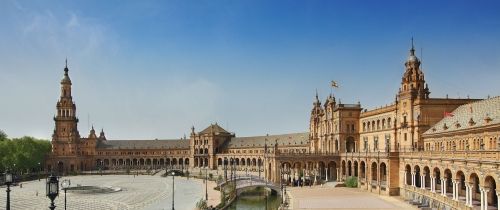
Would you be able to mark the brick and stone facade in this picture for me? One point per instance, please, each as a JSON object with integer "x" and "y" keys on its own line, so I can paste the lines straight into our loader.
{"x": 407, "y": 148}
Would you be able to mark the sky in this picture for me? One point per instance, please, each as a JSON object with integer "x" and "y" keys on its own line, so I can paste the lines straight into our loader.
{"x": 152, "y": 69}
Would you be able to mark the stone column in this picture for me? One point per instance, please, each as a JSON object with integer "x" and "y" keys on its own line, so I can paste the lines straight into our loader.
{"x": 422, "y": 179}
{"x": 471, "y": 188}
{"x": 498, "y": 198}
{"x": 443, "y": 187}
{"x": 466, "y": 194}
{"x": 433, "y": 184}
{"x": 405, "y": 179}
{"x": 454, "y": 190}
{"x": 484, "y": 198}
{"x": 326, "y": 173}
{"x": 413, "y": 179}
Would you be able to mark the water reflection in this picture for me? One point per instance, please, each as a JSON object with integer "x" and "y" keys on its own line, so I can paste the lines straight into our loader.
{"x": 256, "y": 200}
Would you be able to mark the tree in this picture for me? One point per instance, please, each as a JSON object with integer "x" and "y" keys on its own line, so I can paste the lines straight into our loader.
{"x": 3, "y": 136}
{"x": 201, "y": 204}
{"x": 25, "y": 152}
{"x": 351, "y": 182}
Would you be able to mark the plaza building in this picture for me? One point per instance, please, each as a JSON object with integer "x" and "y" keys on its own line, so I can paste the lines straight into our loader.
{"x": 437, "y": 152}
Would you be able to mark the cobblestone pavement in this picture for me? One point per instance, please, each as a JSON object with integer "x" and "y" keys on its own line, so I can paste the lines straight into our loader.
{"x": 327, "y": 197}
{"x": 141, "y": 192}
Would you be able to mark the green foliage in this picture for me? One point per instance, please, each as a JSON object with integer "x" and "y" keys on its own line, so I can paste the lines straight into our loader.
{"x": 210, "y": 176}
{"x": 219, "y": 179}
{"x": 201, "y": 204}
{"x": 25, "y": 152}
{"x": 223, "y": 198}
{"x": 351, "y": 182}
{"x": 3, "y": 136}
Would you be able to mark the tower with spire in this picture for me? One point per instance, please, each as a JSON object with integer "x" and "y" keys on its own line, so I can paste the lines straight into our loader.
{"x": 66, "y": 137}
{"x": 413, "y": 82}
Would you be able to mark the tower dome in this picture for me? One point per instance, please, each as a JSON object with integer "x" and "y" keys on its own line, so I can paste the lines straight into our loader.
{"x": 65, "y": 79}
{"x": 412, "y": 58}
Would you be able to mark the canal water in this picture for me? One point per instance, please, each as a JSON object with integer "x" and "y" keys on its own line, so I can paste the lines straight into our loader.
{"x": 256, "y": 200}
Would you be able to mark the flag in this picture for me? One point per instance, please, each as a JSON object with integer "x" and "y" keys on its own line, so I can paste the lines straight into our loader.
{"x": 334, "y": 84}
{"x": 448, "y": 114}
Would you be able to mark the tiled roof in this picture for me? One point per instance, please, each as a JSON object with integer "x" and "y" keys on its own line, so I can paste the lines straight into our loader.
{"x": 213, "y": 128}
{"x": 295, "y": 139}
{"x": 472, "y": 115}
{"x": 144, "y": 144}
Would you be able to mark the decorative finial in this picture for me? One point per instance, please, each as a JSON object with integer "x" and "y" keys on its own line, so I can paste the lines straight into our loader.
{"x": 412, "y": 51}
{"x": 66, "y": 68}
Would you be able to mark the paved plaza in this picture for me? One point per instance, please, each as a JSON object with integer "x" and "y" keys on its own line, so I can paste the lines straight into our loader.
{"x": 142, "y": 192}
{"x": 328, "y": 197}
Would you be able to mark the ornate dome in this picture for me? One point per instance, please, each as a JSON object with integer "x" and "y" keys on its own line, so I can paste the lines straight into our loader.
{"x": 65, "y": 79}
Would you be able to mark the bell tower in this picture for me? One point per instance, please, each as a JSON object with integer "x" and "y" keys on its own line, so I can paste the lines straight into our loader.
{"x": 413, "y": 82}
{"x": 66, "y": 136}
{"x": 412, "y": 93}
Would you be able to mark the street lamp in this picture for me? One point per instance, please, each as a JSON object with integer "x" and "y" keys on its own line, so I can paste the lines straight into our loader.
{"x": 206, "y": 184}
{"x": 52, "y": 189}
{"x": 281, "y": 184}
{"x": 65, "y": 185}
{"x": 225, "y": 170}
{"x": 8, "y": 182}
{"x": 39, "y": 170}
{"x": 173, "y": 193}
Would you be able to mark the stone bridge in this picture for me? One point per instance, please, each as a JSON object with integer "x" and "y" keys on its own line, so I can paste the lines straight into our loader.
{"x": 249, "y": 182}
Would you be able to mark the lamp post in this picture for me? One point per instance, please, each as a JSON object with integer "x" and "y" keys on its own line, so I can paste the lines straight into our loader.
{"x": 52, "y": 190}
{"x": 287, "y": 172}
{"x": 173, "y": 192}
{"x": 225, "y": 170}
{"x": 206, "y": 184}
{"x": 281, "y": 184}
{"x": 65, "y": 185}
{"x": 8, "y": 182}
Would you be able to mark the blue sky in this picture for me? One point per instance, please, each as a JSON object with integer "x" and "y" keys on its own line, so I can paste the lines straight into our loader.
{"x": 151, "y": 69}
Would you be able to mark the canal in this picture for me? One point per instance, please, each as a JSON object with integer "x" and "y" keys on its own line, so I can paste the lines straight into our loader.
{"x": 256, "y": 200}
